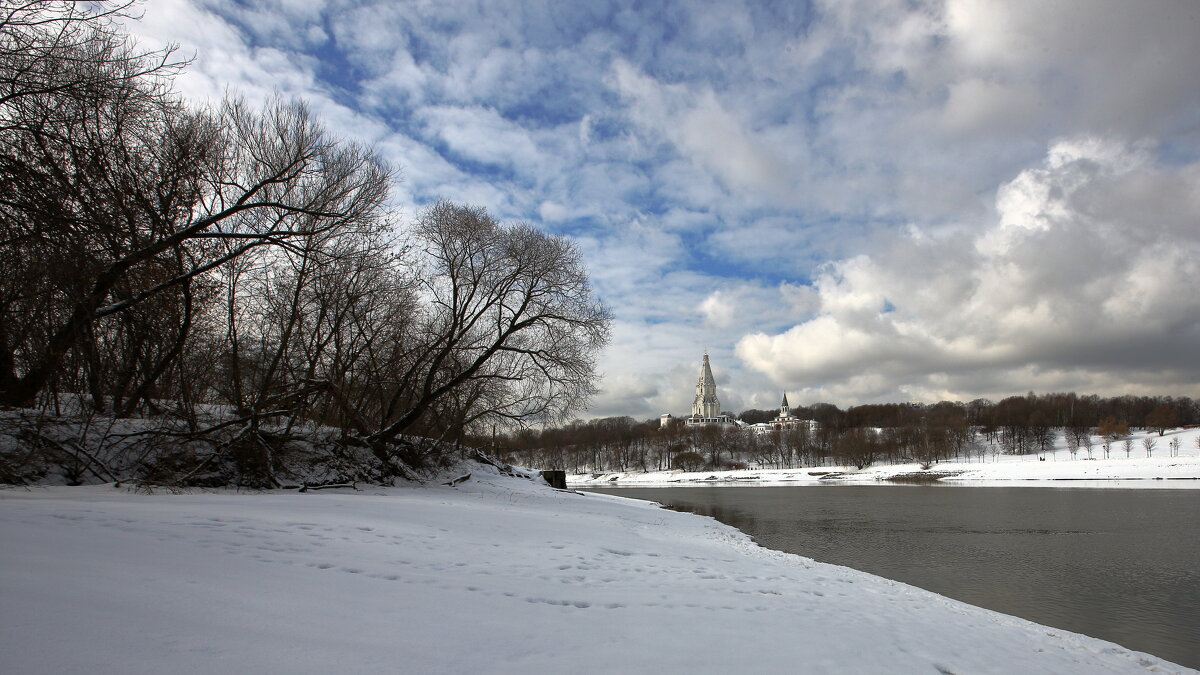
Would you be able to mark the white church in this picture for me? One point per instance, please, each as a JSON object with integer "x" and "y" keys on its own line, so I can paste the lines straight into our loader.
{"x": 706, "y": 408}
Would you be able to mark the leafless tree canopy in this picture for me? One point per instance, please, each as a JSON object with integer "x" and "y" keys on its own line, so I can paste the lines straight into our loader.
{"x": 510, "y": 326}
{"x": 161, "y": 258}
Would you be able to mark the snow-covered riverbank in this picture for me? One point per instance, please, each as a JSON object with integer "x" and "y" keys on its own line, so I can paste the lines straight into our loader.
{"x": 1058, "y": 469}
{"x": 497, "y": 574}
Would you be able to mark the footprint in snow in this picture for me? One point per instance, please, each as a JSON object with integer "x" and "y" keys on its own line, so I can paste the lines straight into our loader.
{"x": 580, "y": 604}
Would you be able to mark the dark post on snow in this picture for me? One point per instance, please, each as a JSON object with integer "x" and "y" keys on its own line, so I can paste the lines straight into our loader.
{"x": 556, "y": 478}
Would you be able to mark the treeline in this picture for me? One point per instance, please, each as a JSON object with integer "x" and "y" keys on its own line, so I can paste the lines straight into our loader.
{"x": 858, "y": 436}
{"x": 237, "y": 275}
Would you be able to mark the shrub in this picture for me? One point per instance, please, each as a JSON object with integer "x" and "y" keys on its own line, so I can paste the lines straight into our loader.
{"x": 688, "y": 461}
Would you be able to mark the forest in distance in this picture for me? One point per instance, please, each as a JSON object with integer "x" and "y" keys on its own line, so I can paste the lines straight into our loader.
{"x": 859, "y": 436}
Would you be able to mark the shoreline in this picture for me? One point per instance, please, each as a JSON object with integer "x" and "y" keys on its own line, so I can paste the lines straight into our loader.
{"x": 1058, "y": 469}
{"x": 1089, "y": 483}
{"x": 397, "y": 578}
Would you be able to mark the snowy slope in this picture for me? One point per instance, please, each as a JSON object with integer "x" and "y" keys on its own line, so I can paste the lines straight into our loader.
{"x": 495, "y": 575}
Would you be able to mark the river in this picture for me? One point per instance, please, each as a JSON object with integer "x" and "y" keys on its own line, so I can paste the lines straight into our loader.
{"x": 1120, "y": 565}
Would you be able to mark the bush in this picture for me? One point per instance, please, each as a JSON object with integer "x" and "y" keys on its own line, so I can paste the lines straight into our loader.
{"x": 1112, "y": 429}
{"x": 688, "y": 461}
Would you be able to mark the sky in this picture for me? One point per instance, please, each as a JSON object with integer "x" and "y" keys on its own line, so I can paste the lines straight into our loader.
{"x": 850, "y": 202}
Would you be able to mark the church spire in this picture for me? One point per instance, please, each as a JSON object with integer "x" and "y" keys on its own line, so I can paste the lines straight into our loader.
{"x": 706, "y": 403}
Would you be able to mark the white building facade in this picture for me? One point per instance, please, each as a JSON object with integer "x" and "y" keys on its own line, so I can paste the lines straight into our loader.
{"x": 785, "y": 421}
{"x": 706, "y": 408}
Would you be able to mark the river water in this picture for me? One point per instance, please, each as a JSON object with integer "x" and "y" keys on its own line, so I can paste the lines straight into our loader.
{"x": 1121, "y": 565}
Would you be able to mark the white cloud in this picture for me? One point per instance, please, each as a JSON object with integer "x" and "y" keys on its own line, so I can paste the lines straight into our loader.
{"x": 482, "y": 135}
{"x": 702, "y": 129}
{"x": 1065, "y": 286}
{"x": 1107, "y": 64}
{"x": 976, "y": 105}
{"x": 717, "y": 309}
{"x": 553, "y": 212}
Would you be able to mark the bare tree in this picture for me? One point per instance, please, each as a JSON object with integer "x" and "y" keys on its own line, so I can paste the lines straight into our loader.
{"x": 714, "y": 443}
{"x": 1149, "y": 444}
{"x": 119, "y": 194}
{"x": 70, "y": 50}
{"x": 509, "y": 327}
{"x": 1085, "y": 441}
{"x": 859, "y": 447}
{"x": 60, "y": 67}
{"x": 687, "y": 460}
{"x": 1163, "y": 417}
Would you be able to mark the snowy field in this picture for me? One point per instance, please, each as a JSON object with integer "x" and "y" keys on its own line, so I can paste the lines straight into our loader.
{"x": 495, "y": 575}
{"x": 1059, "y": 469}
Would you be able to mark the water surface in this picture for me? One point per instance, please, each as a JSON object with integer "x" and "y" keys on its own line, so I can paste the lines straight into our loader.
{"x": 1121, "y": 565}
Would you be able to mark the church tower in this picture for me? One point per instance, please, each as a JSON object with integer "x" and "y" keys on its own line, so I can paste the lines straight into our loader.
{"x": 706, "y": 404}
{"x": 785, "y": 410}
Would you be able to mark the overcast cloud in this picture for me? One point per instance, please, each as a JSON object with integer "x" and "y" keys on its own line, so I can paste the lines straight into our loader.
{"x": 847, "y": 201}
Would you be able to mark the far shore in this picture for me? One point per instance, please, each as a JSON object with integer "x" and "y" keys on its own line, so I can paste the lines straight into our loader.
{"x": 1053, "y": 469}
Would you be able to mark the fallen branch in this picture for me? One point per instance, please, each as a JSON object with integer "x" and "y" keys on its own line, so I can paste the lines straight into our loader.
{"x": 328, "y": 486}
{"x": 111, "y": 477}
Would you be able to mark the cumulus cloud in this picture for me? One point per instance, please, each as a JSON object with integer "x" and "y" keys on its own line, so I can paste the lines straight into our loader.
{"x": 1076, "y": 284}
{"x": 717, "y": 309}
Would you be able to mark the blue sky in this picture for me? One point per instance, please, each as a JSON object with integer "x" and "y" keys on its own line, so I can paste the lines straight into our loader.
{"x": 848, "y": 201}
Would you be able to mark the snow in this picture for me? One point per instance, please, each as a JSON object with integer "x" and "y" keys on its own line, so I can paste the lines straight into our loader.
{"x": 495, "y": 575}
{"x": 1059, "y": 469}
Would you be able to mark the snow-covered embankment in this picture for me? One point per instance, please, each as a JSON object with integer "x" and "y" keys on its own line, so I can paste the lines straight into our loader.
{"x": 496, "y": 574}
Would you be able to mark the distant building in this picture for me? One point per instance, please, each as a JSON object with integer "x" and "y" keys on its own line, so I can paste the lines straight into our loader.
{"x": 785, "y": 421}
{"x": 706, "y": 409}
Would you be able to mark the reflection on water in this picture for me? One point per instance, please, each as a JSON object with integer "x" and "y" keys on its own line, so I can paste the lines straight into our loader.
{"x": 1121, "y": 565}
